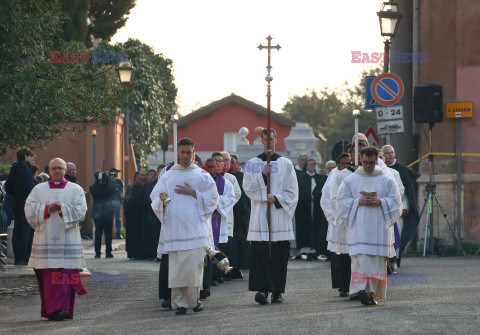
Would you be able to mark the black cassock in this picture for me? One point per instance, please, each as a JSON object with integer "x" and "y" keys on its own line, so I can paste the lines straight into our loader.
{"x": 311, "y": 229}
{"x": 151, "y": 225}
{"x": 134, "y": 221}
{"x": 410, "y": 221}
{"x": 239, "y": 253}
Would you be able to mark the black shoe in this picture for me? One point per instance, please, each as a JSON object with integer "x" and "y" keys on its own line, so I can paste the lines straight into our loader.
{"x": 220, "y": 280}
{"x": 354, "y": 297}
{"x": 180, "y": 311}
{"x": 372, "y": 301}
{"x": 59, "y": 315}
{"x": 204, "y": 294}
{"x": 261, "y": 298}
{"x": 22, "y": 261}
{"x": 343, "y": 292}
{"x": 363, "y": 297}
{"x": 277, "y": 299}
{"x": 226, "y": 277}
{"x": 198, "y": 308}
{"x": 236, "y": 274}
{"x": 166, "y": 303}
{"x": 312, "y": 257}
{"x": 97, "y": 255}
{"x": 108, "y": 255}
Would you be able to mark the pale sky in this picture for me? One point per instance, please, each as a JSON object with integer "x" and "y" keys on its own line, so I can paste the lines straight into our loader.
{"x": 213, "y": 45}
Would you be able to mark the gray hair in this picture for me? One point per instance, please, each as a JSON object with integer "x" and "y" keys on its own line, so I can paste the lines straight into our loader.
{"x": 331, "y": 162}
{"x": 386, "y": 146}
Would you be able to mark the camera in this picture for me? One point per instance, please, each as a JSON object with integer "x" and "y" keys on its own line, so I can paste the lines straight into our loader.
{"x": 102, "y": 177}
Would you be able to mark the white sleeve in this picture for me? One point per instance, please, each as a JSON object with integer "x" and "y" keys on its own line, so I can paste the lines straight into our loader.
{"x": 35, "y": 210}
{"x": 75, "y": 212}
{"x": 227, "y": 199}
{"x": 288, "y": 198}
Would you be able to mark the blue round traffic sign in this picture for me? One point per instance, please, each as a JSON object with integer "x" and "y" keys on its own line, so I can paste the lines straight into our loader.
{"x": 387, "y": 89}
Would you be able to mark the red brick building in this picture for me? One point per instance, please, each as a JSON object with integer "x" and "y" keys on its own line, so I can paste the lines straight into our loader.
{"x": 215, "y": 126}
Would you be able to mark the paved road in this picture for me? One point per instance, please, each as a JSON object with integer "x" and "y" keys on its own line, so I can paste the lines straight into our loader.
{"x": 448, "y": 304}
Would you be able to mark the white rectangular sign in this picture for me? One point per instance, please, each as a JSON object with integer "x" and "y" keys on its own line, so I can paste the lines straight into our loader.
{"x": 390, "y": 127}
{"x": 384, "y": 113}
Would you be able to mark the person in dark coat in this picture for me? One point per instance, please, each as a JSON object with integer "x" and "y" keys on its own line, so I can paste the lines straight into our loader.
{"x": 240, "y": 247}
{"x": 410, "y": 214}
{"x": 19, "y": 184}
{"x": 134, "y": 217}
{"x": 311, "y": 224}
{"x": 103, "y": 194}
{"x": 151, "y": 224}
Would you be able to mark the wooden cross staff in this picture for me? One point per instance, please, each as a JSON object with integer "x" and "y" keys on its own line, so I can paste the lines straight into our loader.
{"x": 269, "y": 78}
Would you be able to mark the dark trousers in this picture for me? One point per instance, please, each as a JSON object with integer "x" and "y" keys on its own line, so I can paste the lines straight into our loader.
{"x": 207, "y": 274}
{"x": 117, "y": 205}
{"x": 239, "y": 252}
{"x": 103, "y": 225}
{"x": 216, "y": 272}
{"x": 268, "y": 275}
{"x": 163, "y": 291}
{"x": 22, "y": 238}
{"x": 340, "y": 270}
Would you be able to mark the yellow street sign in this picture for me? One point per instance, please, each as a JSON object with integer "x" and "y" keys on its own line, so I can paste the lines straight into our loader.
{"x": 456, "y": 110}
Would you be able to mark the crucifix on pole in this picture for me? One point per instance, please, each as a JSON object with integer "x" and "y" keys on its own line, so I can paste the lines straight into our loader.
{"x": 269, "y": 79}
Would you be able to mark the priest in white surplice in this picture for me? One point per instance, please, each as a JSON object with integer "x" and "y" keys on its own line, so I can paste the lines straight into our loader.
{"x": 369, "y": 217}
{"x": 270, "y": 276}
{"x": 54, "y": 209}
{"x": 185, "y": 225}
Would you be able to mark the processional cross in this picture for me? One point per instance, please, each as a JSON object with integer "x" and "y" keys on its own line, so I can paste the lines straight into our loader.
{"x": 269, "y": 79}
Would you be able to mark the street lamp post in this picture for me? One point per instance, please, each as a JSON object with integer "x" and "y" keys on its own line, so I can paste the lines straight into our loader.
{"x": 94, "y": 135}
{"x": 389, "y": 18}
{"x": 125, "y": 73}
{"x": 356, "y": 115}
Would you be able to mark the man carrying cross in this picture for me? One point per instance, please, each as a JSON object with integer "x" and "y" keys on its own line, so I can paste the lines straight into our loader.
{"x": 270, "y": 250}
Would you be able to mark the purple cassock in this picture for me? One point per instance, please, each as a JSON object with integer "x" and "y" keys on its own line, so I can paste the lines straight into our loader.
{"x": 397, "y": 242}
{"x": 216, "y": 216}
{"x": 57, "y": 289}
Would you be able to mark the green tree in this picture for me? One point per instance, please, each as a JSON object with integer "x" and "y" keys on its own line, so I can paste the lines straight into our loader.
{"x": 152, "y": 96}
{"x": 108, "y": 16}
{"x": 330, "y": 111}
{"x": 74, "y": 27}
{"x": 39, "y": 98}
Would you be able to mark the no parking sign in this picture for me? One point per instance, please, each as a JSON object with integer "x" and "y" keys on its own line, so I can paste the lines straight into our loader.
{"x": 387, "y": 89}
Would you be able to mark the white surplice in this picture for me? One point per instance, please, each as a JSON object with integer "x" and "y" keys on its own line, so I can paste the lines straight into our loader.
{"x": 186, "y": 229}
{"x": 238, "y": 193}
{"x": 396, "y": 176}
{"x": 338, "y": 239}
{"x": 369, "y": 236}
{"x": 185, "y": 223}
{"x": 224, "y": 207}
{"x": 57, "y": 242}
{"x": 283, "y": 185}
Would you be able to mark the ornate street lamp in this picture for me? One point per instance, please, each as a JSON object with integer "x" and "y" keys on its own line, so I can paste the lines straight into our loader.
{"x": 389, "y": 18}
{"x": 125, "y": 73}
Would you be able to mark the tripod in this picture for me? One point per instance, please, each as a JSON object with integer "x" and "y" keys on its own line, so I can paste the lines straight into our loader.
{"x": 430, "y": 190}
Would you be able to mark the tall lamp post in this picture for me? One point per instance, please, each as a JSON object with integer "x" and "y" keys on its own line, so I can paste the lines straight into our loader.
{"x": 389, "y": 18}
{"x": 125, "y": 73}
{"x": 356, "y": 115}
{"x": 94, "y": 136}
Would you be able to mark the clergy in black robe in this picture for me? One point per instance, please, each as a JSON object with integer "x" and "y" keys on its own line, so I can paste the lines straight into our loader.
{"x": 239, "y": 246}
{"x": 408, "y": 177}
{"x": 311, "y": 224}
{"x": 268, "y": 268}
{"x": 150, "y": 224}
{"x": 134, "y": 218}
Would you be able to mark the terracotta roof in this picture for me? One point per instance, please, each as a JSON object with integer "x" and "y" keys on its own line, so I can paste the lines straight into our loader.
{"x": 234, "y": 99}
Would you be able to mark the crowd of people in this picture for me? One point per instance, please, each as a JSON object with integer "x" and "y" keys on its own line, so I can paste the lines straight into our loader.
{"x": 205, "y": 221}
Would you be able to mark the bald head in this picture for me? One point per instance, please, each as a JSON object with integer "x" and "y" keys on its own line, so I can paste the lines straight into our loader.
{"x": 57, "y": 168}
{"x": 226, "y": 161}
{"x": 361, "y": 136}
